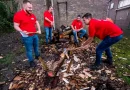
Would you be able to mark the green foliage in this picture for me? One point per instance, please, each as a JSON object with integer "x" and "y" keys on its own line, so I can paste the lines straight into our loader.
{"x": 7, "y": 60}
{"x": 7, "y": 10}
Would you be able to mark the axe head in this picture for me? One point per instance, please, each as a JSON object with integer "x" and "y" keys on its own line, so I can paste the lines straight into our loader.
{"x": 65, "y": 51}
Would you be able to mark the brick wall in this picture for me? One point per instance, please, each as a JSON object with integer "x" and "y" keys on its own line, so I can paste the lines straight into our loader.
{"x": 74, "y": 7}
{"x": 66, "y": 13}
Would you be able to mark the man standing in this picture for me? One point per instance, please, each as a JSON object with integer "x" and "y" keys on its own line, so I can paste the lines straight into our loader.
{"x": 108, "y": 32}
{"x": 48, "y": 24}
{"x": 77, "y": 27}
{"x": 24, "y": 22}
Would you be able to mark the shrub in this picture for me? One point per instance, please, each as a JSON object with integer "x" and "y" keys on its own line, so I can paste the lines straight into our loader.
{"x": 6, "y": 15}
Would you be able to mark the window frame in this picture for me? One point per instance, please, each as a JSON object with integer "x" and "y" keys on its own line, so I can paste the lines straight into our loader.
{"x": 123, "y": 3}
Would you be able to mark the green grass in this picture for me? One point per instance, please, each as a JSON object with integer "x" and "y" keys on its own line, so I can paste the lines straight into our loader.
{"x": 20, "y": 51}
{"x": 7, "y": 60}
{"x": 9, "y": 57}
{"x": 121, "y": 55}
{"x": 41, "y": 39}
{"x": 127, "y": 79}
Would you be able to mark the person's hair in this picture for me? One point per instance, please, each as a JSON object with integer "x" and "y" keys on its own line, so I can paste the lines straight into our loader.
{"x": 50, "y": 7}
{"x": 79, "y": 16}
{"x": 87, "y": 15}
{"x": 26, "y": 1}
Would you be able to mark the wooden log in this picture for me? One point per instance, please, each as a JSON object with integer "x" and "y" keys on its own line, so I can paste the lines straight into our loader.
{"x": 68, "y": 68}
{"x": 67, "y": 32}
{"x": 48, "y": 72}
{"x": 60, "y": 63}
{"x": 52, "y": 81}
{"x": 43, "y": 63}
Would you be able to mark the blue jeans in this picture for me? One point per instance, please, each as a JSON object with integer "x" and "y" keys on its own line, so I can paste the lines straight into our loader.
{"x": 105, "y": 46}
{"x": 48, "y": 32}
{"x": 31, "y": 42}
{"x": 82, "y": 33}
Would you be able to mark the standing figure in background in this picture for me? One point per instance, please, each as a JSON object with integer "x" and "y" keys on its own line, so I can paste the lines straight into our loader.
{"x": 48, "y": 24}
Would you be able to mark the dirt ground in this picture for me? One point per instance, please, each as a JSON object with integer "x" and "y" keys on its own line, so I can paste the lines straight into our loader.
{"x": 11, "y": 49}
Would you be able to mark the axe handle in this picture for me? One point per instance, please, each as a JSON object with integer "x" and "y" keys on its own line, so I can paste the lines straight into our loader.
{"x": 32, "y": 32}
{"x": 69, "y": 49}
{"x": 67, "y": 56}
{"x": 43, "y": 63}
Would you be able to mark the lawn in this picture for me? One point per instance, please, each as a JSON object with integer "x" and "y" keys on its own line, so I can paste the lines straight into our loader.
{"x": 121, "y": 54}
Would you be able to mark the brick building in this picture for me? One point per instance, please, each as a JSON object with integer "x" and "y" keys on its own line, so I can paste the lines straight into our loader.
{"x": 66, "y": 10}
{"x": 119, "y": 11}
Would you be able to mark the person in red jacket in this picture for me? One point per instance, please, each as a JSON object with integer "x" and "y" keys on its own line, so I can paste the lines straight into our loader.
{"x": 106, "y": 31}
{"x": 25, "y": 22}
{"x": 48, "y": 24}
{"x": 77, "y": 26}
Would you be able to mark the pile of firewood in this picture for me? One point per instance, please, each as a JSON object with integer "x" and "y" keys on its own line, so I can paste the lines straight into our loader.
{"x": 71, "y": 72}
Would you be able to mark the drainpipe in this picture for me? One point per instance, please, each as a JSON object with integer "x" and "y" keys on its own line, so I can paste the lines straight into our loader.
{"x": 108, "y": 7}
{"x": 52, "y": 3}
{"x": 128, "y": 19}
{"x": 116, "y": 12}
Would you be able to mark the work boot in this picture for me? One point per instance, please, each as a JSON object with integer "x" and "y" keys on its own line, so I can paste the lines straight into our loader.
{"x": 95, "y": 67}
{"x": 37, "y": 57}
{"x": 80, "y": 39}
{"x": 86, "y": 36}
{"x": 32, "y": 64}
{"x": 108, "y": 61}
{"x": 51, "y": 42}
{"x": 77, "y": 44}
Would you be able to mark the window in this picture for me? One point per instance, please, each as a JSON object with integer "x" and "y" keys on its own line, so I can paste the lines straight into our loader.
{"x": 123, "y": 3}
{"x": 112, "y": 6}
